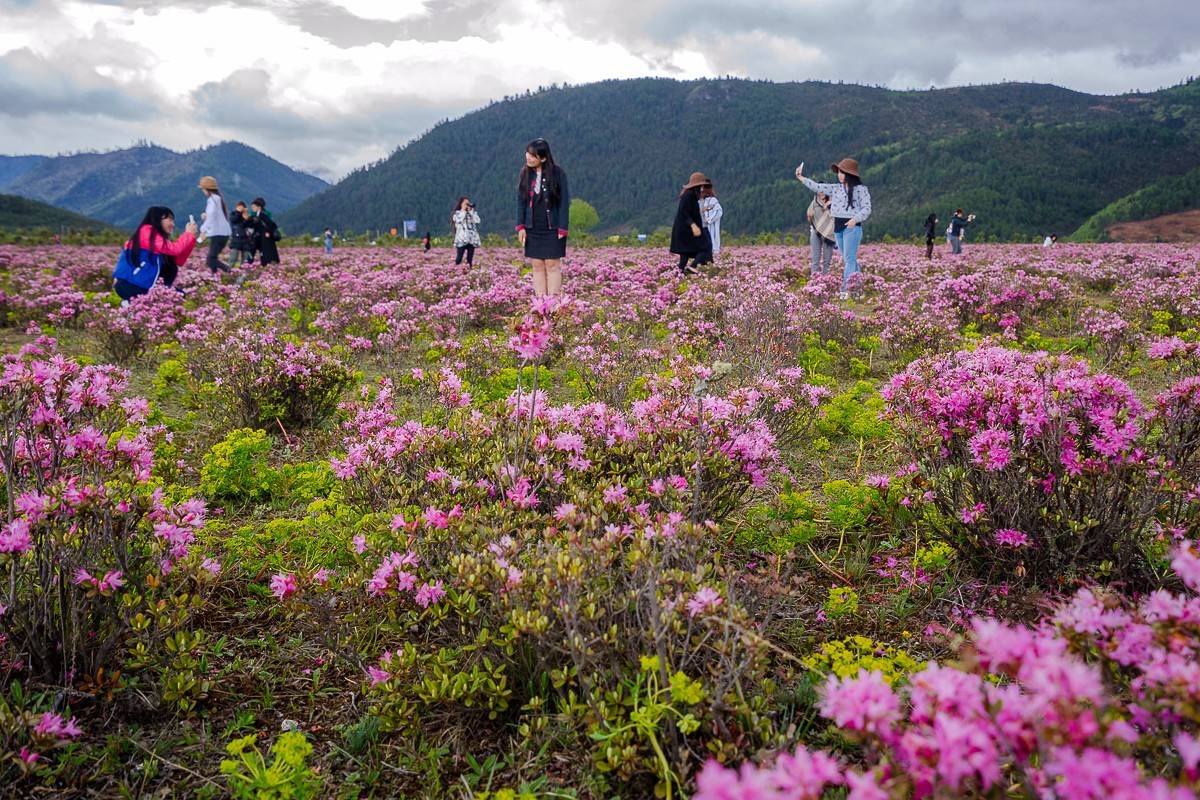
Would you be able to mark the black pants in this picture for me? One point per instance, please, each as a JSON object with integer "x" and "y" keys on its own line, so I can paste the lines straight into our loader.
{"x": 215, "y": 245}
{"x": 468, "y": 250}
{"x": 929, "y": 248}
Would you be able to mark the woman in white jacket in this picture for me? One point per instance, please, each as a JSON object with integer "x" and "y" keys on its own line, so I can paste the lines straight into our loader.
{"x": 711, "y": 213}
{"x": 214, "y": 224}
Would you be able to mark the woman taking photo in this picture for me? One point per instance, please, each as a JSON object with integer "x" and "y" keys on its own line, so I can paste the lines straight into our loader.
{"x": 466, "y": 230}
{"x": 214, "y": 223}
{"x": 543, "y": 209}
{"x": 850, "y": 204}
{"x": 689, "y": 241}
{"x": 150, "y": 255}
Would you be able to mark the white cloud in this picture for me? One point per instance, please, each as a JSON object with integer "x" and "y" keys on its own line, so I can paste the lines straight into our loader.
{"x": 329, "y": 84}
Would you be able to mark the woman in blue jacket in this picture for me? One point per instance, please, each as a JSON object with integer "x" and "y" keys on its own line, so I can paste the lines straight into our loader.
{"x": 543, "y": 212}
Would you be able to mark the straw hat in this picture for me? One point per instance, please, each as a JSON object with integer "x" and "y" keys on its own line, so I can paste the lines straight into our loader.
{"x": 210, "y": 183}
{"x": 697, "y": 179}
{"x": 848, "y": 166}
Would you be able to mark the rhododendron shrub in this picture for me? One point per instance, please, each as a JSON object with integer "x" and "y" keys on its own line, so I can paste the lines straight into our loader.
{"x": 1100, "y": 700}
{"x": 126, "y": 331}
{"x": 265, "y": 381}
{"x": 84, "y": 535}
{"x": 1039, "y": 466}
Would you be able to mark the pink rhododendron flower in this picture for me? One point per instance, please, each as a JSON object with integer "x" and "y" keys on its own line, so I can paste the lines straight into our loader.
{"x": 704, "y": 601}
{"x": 283, "y": 585}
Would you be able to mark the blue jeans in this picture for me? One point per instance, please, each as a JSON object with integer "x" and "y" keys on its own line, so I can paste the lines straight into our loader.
{"x": 955, "y": 243}
{"x": 847, "y": 242}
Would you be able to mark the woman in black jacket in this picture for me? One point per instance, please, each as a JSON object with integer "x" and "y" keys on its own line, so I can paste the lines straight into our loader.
{"x": 543, "y": 214}
{"x": 241, "y": 239}
{"x": 930, "y": 234}
{"x": 268, "y": 232}
{"x": 688, "y": 238}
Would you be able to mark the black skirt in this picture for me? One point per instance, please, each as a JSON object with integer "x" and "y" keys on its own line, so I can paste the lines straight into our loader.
{"x": 544, "y": 244}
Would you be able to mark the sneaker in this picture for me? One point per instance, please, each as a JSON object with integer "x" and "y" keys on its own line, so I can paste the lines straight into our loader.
{"x": 690, "y": 271}
{"x": 843, "y": 295}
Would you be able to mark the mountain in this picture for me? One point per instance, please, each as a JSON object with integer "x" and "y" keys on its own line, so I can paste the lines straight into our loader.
{"x": 118, "y": 186}
{"x": 1027, "y": 158}
{"x": 23, "y": 213}
{"x": 13, "y": 167}
{"x": 1164, "y": 196}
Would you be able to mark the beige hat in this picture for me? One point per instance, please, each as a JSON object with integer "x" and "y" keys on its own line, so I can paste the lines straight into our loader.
{"x": 697, "y": 179}
{"x": 210, "y": 183}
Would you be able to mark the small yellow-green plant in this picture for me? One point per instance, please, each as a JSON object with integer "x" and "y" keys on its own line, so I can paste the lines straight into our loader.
{"x": 237, "y": 469}
{"x": 845, "y": 657}
{"x": 842, "y": 602}
{"x": 287, "y": 777}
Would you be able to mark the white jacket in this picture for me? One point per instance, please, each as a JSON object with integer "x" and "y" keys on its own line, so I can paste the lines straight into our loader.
{"x": 216, "y": 220}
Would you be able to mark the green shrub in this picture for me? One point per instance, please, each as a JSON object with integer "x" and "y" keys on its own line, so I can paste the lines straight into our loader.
{"x": 236, "y": 468}
{"x": 845, "y": 657}
{"x": 842, "y": 602}
{"x": 288, "y": 777}
{"x": 855, "y": 412}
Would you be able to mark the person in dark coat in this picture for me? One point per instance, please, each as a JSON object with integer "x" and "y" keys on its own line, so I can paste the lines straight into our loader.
{"x": 268, "y": 231}
{"x": 688, "y": 239}
{"x": 543, "y": 216}
{"x": 241, "y": 241}
{"x": 930, "y": 234}
{"x": 427, "y": 241}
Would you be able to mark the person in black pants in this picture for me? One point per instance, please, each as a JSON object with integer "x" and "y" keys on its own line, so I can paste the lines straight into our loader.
{"x": 241, "y": 237}
{"x": 930, "y": 234}
{"x": 688, "y": 239}
{"x": 466, "y": 230}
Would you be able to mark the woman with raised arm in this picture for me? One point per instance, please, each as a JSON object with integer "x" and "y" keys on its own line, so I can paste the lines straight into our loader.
{"x": 850, "y": 204}
{"x": 543, "y": 212}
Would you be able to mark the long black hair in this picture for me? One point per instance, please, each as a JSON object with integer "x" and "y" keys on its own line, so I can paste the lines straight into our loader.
{"x": 153, "y": 217}
{"x": 458, "y": 206}
{"x": 851, "y": 182}
{"x": 540, "y": 148}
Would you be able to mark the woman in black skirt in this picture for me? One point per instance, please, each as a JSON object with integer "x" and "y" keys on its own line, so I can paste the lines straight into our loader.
{"x": 689, "y": 240}
{"x": 543, "y": 209}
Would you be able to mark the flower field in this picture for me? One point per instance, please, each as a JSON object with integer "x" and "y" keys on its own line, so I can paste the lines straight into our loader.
{"x": 372, "y": 525}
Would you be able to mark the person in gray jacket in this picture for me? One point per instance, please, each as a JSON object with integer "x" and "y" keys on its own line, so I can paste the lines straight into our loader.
{"x": 820, "y": 233}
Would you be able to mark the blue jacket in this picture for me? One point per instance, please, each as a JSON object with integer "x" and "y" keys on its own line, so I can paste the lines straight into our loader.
{"x": 559, "y": 215}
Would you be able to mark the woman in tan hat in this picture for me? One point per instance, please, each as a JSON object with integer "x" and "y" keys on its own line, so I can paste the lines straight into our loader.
{"x": 214, "y": 223}
{"x": 850, "y": 204}
{"x": 688, "y": 239}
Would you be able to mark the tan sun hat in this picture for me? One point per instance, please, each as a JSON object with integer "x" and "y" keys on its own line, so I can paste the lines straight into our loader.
{"x": 848, "y": 166}
{"x": 210, "y": 183}
{"x": 697, "y": 179}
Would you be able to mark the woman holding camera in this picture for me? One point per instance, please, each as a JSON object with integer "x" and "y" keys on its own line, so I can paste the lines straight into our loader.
{"x": 850, "y": 206}
{"x": 466, "y": 230}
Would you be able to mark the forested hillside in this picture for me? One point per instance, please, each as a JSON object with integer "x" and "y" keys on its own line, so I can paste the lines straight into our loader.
{"x": 1026, "y": 158}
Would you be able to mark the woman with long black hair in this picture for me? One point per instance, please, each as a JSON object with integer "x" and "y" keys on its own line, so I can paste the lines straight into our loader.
{"x": 150, "y": 248}
{"x": 268, "y": 232}
{"x": 466, "y": 230}
{"x": 543, "y": 214}
{"x": 850, "y": 204}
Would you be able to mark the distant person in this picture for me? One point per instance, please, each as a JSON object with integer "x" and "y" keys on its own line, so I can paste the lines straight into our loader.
{"x": 820, "y": 233}
{"x": 241, "y": 238}
{"x": 328, "y": 240}
{"x": 466, "y": 230}
{"x": 958, "y": 230}
{"x": 711, "y": 212}
{"x": 688, "y": 238}
{"x": 150, "y": 255}
{"x": 426, "y": 241}
{"x": 930, "y": 234}
{"x": 214, "y": 224}
{"x": 1050, "y": 240}
{"x": 543, "y": 216}
{"x": 268, "y": 232}
{"x": 850, "y": 204}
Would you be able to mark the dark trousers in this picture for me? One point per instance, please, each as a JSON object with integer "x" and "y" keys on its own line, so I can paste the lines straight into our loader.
{"x": 468, "y": 250}
{"x": 215, "y": 245}
{"x": 929, "y": 248}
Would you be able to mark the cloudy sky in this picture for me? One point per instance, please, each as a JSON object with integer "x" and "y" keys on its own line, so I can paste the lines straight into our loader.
{"x": 328, "y": 85}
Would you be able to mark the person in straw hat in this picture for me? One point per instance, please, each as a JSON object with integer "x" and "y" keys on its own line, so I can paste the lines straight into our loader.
{"x": 214, "y": 223}
{"x": 851, "y": 206}
{"x": 688, "y": 238}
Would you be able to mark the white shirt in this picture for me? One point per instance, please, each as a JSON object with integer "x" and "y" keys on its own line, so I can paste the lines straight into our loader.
{"x": 215, "y": 223}
{"x": 839, "y": 208}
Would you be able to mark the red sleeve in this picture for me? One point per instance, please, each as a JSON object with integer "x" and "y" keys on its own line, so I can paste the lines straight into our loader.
{"x": 179, "y": 249}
